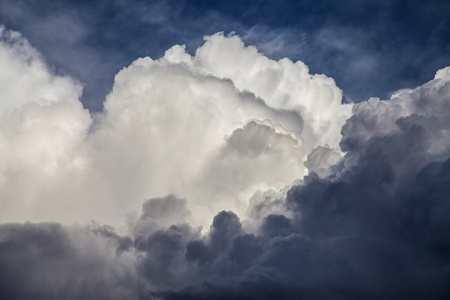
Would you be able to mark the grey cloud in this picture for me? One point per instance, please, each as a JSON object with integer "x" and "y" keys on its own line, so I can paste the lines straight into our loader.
{"x": 224, "y": 229}
{"x": 401, "y": 251}
{"x": 162, "y": 212}
{"x": 123, "y": 243}
{"x": 49, "y": 261}
{"x": 166, "y": 207}
{"x": 263, "y": 204}
{"x": 276, "y": 225}
{"x": 256, "y": 139}
{"x": 198, "y": 251}
{"x": 321, "y": 159}
{"x": 245, "y": 248}
{"x": 376, "y": 228}
{"x": 161, "y": 256}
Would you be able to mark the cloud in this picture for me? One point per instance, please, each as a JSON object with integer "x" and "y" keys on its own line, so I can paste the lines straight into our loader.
{"x": 162, "y": 212}
{"x": 222, "y": 139}
{"x": 374, "y": 228}
{"x": 281, "y": 84}
{"x": 49, "y": 261}
{"x": 42, "y": 132}
{"x": 321, "y": 158}
{"x": 183, "y": 125}
{"x": 19, "y": 58}
{"x": 405, "y": 41}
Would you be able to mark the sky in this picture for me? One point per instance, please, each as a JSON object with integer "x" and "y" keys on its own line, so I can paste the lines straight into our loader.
{"x": 224, "y": 149}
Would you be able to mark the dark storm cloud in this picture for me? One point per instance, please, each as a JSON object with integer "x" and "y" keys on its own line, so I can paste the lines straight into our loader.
{"x": 162, "y": 257}
{"x": 122, "y": 243}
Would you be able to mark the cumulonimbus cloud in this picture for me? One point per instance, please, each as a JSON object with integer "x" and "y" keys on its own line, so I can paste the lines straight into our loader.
{"x": 223, "y": 138}
{"x": 182, "y": 124}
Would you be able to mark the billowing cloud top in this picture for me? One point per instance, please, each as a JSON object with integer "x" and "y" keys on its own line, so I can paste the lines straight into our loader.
{"x": 228, "y": 139}
{"x": 202, "y": 129}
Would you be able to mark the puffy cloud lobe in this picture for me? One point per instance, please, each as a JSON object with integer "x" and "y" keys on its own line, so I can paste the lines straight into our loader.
{"x": 321, "y": 158}
{"x": 240, "y": 165}
{"x": 282, "y": 84}
{"x": 224, "y": 229}
{"x": 162, "y": 261}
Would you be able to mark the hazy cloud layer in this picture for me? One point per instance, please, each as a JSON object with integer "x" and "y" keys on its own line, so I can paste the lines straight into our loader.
{"x": 221, "y": 143}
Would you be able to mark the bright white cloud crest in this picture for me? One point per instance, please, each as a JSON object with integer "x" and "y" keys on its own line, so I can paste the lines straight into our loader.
{"x": 213, "y": 128}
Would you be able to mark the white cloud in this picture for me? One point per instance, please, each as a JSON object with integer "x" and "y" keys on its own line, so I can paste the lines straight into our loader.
{"x": 213, "y": 128}
{"x": 282, "y": 84}
{"x": 25, "y": 77}
{"x": 42, "y": 131}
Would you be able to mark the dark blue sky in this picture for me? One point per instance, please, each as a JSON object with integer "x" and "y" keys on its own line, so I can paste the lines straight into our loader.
{"x": 370, "y": 48}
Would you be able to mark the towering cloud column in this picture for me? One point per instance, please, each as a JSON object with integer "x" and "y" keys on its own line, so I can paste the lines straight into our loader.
{"x": 213, "y": 128}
